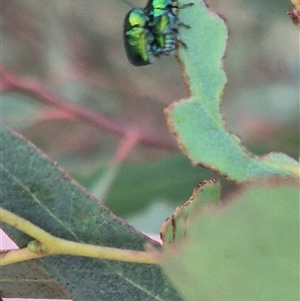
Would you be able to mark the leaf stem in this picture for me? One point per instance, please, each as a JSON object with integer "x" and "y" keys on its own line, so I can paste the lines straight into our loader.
{"x": 52, "y": 245}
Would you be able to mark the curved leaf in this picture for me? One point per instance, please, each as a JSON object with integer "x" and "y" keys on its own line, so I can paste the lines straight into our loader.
{"x": 197, "y": 122}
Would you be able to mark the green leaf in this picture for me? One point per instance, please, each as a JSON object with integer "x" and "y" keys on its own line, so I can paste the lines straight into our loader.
{"x": 25, "y": 280}
{"x": 38, "y": 190}
{"x": 174, "y": 228}
{"x": 197, "y": 122}
{"x": 246, "y": 250}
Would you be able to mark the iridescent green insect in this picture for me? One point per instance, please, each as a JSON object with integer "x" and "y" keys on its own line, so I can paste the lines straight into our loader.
{"x": 163, "y": 21}
{"x": 138, "y": 39}
{"x": 152, "y": 31}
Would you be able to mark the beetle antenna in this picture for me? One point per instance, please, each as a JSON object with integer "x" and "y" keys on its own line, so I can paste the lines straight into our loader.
{"x": 128, "y": 3}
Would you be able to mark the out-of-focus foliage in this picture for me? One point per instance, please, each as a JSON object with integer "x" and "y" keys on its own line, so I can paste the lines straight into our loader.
{"x": 76, "y": 49}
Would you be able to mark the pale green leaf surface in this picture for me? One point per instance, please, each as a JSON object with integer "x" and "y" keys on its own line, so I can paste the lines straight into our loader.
{"x": 248, "y": 250}
{"x": 197, "y": 122}
{"x": 174, "y": 228}
{"x": 37, "y": 189}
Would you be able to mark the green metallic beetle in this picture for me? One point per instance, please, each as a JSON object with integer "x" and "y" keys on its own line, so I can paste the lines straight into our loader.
{"x": 163, "y": 24}
{"x": 151, "y": 32}
{"x": 163, "y": 21}
{"x": 138, "y": 39}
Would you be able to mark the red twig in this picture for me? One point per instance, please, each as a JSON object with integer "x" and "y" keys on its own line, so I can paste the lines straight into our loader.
{"x": 126, "y": 145}
{"x": 39, "y": 91}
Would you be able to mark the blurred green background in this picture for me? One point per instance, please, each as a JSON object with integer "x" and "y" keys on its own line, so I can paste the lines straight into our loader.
{"x": 75, "y": 48}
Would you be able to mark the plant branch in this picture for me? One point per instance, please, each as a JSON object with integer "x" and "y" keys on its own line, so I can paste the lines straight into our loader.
{"x": 38, "y": 91}
{"x": 14, "y": 256}
{"x": 101, "y": 187}
{"x": 47, "y": 244}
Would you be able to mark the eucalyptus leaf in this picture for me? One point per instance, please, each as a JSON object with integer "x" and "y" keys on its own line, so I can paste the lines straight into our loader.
{"x": 197, "y": 122}
{"x": 174, "y": 228}
{"x": 38, "y": 190}
{"x": 245, "y": 250}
